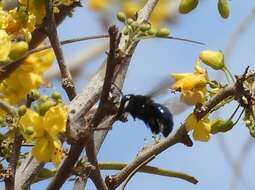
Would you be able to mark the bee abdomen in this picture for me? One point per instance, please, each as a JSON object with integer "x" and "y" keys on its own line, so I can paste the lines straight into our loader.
{"x": 164, "y": 119}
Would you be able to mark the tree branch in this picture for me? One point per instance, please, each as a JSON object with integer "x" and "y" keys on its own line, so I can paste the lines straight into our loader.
{"x": 149, "y": 170}
{"x": 67, "y": 81}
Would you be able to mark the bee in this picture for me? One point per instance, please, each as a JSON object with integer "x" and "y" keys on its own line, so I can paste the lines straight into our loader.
{"x": 156, "y": 116}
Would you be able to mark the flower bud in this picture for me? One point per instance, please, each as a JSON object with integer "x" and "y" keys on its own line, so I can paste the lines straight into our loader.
{"x": 163, "y": 32}
{"x": 35, "y": 94}
{"x": 22, "y": 110}
{"x": 152, "y": 32}
{"x": 223, "y": 8}
{"x": 144, "y": 27}
{"x": 134, "y": 24}
{"x": 29, "y": 130}
{"x": 126, "y": 31}
{"x": 56, "y": 95}
{"x": 121, "y": 16}
{"x": 130, "y": 21}
{"x": 187, "y": 5}
{"x": 214, "y": 59}
{"x": 219, "y": 125}
{"x": 45, "y": 106}
{"x": 18, "y": 49}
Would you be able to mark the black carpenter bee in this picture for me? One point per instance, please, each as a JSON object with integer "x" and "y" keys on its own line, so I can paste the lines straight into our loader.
{"x": 156, "y": 116}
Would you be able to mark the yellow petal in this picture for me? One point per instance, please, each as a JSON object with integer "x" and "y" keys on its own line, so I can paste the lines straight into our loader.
{"x": 202, "y": 131}
{"x": 193, "y": 97}
{"x": 32, "y": 119}
{"x": 55, "y": 120}
{"x": 5, "y": 45}
{"x": 190, "y": 122}
{"x": 58, "y": 154}
{"x": 43, "y": 150}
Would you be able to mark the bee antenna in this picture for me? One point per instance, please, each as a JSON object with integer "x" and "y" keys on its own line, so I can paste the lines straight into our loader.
{"x": 118, "y": 89}
{"x": 186, "y": 40}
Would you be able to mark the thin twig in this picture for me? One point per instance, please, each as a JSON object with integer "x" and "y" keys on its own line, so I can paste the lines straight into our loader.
{"x": 7, "y": 69}
{"x": 95, "y": 174}
{"x": 149, "y": 170}
{"x": 135, "y": 171}
{"x": 77, "y": 61}
{"x": 67, "y": 81}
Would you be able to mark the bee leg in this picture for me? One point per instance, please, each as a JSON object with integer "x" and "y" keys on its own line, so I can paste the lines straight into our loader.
{"x": 156, "y": 138}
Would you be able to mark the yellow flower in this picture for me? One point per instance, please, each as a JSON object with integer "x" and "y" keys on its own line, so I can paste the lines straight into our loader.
{"x": 191, "y": 85}
{"x": 45, "y": 132}
{"x": 201, "y": 129}
{"x": 36, "y": 7}
{"x": 193, "y": 97}
{"x": 98, "y": 5}
{"x": 27, "y": 77}
{"x": 5, "y": 46}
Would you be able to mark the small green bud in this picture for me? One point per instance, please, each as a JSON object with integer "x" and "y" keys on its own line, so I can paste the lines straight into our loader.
{"x": 126, "y": 31}
{"x": 214, "y": 59}
{"x": 121, "y": 16}
{"x": 144, "y": 27}
{"x": 18, "y": 49}
{"x": 134, "y": 24}
{"x": 163, "y": 32}
{"x": 219, "y": 125}
{"x": 43, "y": 99}
{"x": 45, "y": 106}
{"x": 29, "y": 130}
{"x": 35, "y": 94}
{"x": 152, "y": 32}
{"x": 187, "y": 5}
{"x": 223, "y": 8}
{"x": 22, "y": 110}
{"x": 130, "y": 21}
{"x": 56, "y": 95}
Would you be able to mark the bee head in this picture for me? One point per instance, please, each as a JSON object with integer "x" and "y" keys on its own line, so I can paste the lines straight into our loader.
{"x": 124, "y": 103}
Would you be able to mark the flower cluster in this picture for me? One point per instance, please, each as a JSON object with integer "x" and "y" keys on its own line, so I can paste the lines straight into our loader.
{"x": 194, "y": 89}
{"x": 192, "y": 85}
{"x": 27, "y": 77}
{"x": 43, "y": 129}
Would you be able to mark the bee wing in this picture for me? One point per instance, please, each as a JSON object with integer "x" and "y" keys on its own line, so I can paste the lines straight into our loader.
{"x": 175, "y": 106}
{"x": 161, "y": 88}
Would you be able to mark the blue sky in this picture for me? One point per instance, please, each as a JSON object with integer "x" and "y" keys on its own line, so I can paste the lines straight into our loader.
{"x": 154, "y": 60}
